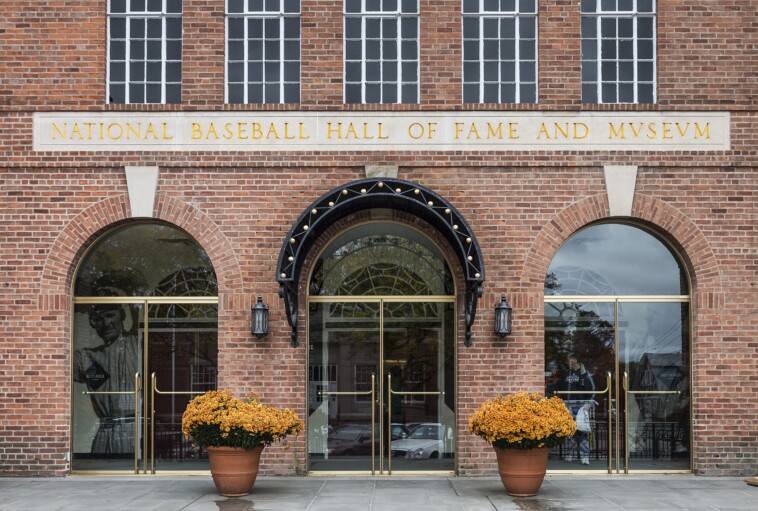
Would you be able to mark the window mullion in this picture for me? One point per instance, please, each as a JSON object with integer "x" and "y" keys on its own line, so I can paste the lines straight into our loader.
{"x": 517, "y": 57}
{"x": 481, "y": 56}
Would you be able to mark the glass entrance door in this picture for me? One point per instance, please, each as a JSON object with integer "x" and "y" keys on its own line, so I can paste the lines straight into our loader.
{"x": 381, "y": 385}
{"x": 626, "y": 362}
{"x": 122, "y": 420}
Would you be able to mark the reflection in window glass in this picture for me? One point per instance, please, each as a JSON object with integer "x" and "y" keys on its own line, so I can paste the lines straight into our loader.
{"x": 500, "y": 51}
{"x": 615, "y": 259}
{"x": 381, "y": 259}
{"x": 618, "y": 51}
{"x": 146, "y": 260}
{"x": 144, "y": 51}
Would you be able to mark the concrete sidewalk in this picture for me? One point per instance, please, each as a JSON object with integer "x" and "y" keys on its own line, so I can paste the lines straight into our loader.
{"x": 197, "y": 493}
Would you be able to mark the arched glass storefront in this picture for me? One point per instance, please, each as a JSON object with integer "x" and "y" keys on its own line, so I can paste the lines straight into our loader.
{"x": 617, "y": 347}
{"x": 381, "y": 354}
{"x": 145, "y": 323}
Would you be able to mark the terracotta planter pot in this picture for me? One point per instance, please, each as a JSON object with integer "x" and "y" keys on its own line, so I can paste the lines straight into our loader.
{"x": 233, "y": 469}
{"x": 522, "y": 470}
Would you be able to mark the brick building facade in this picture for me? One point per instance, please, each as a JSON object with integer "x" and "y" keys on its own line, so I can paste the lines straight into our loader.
{"x": 521, "y": 203}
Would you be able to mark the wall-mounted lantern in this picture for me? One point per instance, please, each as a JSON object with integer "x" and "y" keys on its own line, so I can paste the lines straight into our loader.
{"x": 503, "y": 315}
{"x": 259, "y": 325}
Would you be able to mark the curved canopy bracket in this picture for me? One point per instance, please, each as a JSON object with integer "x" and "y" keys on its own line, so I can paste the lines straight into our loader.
{"x": 373, "y": 193}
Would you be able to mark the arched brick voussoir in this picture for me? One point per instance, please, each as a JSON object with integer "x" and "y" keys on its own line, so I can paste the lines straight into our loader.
{"x": 692, "y": 244}
{"x": 73, "y": 240}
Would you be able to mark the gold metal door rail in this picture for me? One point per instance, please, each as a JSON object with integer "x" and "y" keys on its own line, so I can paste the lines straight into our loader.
{"x": 610, "y": 414}
{"x": 153, "y": 392}
{"x": 627, "y": 392}
{"x": 372, "y": 393}
{"x": 136, "y": 392}
{"x": 391, "y": 393}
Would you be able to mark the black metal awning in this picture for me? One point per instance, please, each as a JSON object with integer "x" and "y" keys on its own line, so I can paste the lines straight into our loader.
{"x": 388, "y": 193}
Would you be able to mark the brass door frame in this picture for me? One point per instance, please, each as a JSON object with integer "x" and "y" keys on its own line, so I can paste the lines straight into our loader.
{"x": 627, "y": 392}
{"x": 616, "y": 301}
{"x": 391, "y": 393}
{"x": 372, "y": 393}
{"x": 154, "y": 390}
{"x": 136, "y": 392}
{"x": 608, "y": 390}
{"x": 146, "y": 302}
{"x": 381, "y": 300}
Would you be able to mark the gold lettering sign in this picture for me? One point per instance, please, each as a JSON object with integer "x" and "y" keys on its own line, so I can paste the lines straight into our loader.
{"x": 381, "y": 131}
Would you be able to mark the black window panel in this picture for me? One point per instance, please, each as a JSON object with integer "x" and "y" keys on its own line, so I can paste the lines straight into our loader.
{"x": 409, "y": 28}
{"x": 174, "y": 7}
{"x": 645, "y": 5}
{"x": 236, "y": 93}
{"x": 645, "y": 93}
{"x": 527, "y": 28}
{"x": 626, "y": 93}
{"x": 352, "y": 28}
{"x": 235, "y": 72}
{"x": 589, "y": 93}
{"x": 137, "y": 71}
{"x": 389, "y": 29}
{"x": 527, "y": 49}
{"x": 490, "y": 28}
{"x": 508, "y": 72}
{"x": 608, "y": 27}
{"x": 608, "y": 5}
{"x": 589, "y": 49}
{"x": 389, "y": 50}
{"x": 292, "y": 6}
{"x": 373, "y": 93}
{"x": 528, "y": 93}
{"x": 173, "y": 71}
{"x": 470, "y": 6}
{"x": 626, "y": 27}
{"x": 645, "y": 70}
{"x": 508, "y": 93}
{"x": 173, "y": 28}
{"x": 352, "y": 93}
{"x": 470, "y": 28}
{"x": 272, "y": 28}
{"x": 352, "y": 5}
{"x": 589, "y": 27}
{"x": 490, "y": 49}
{"x": 136, "y": 93}
{"x": 153, "y": 93}
{"x": 373, "y": 71}
{"x": 255, "y": 93}
{"x": 407, "y": 7}
{"x": 471, "y": 93}
{"x": 292, "y": 72}
{"x": 137, "y": 28}
{"x": 154, "y": 50}
{"x": 373, "y": 28}
{"x": 389, "y": 71}
{"x": 255, "y": 28}
{"x": 470, "y": 50}
{"x": 490, "y": 71}
{"x": 608, "y": 49}
{"x": 271, "y": 71}
{"x": 137, "y": 5}
{"x": 626, "y": 5}
{"x": 410, "y": 71}
{"x": 609, "y": 93}
{"x": 291, "y": 50}
{"x": 273, "y": 93}
{"x": 292, "y": 28}
{"x": 626, "y": 49}
{"x": 589, "y": 5}
{"x": 626, "y": 71}
{"x": 389, "y": 92}
{"x": 491, "y": 91}
{"x": 410, "y": 93}
{"x": 645, "y": 28}
{"x": 118, "y": 28}
{"x": 117, "y": 94}
{"x": 235, "y": 6}
{"x": 291, "y": 93}
{"x": 271, "y": 50}
{"x": 236, "y": 28}
{"x": 373, "y": 49}
{"x": 255, "y": 72}
{"x": 409, "y": 50}
{"x": 118, "y": 71}
{"x": 236, "y": 50}
{"x": 508, "y": 28}
{"x": 254, "y": 51}
{"x": 154, "y": 28}
{"x": 389, "y": 5}
{"x": 118, "y": 50}
{"x": 118, "y": 6}
{"x": 608, "y": 71}
{"x": 589, "y": 71}
{"x": 173, "y": 50}
{"x": 374, "y": 5}
{"x": 508, "y": 49}
{"x": 353, "y": 50}
{"x": 645, "y": 50}
{"x": 154, "y": 71}
{"x": 272, "y": 5}
{"x": 509, "y": 6}
{"x": 471, "y": 72}
{"x": 491, "y": 5}
{"x": 137, "y": 49}
{"x": 528, "y": 72}
{"x": 353, "y": 71}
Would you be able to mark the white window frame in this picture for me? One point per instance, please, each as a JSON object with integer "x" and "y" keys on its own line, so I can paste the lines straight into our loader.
{"x": 599, "y": 15}
{"x": 398, "y": 15}
{"x": 264, "y": 16}
{"x": 498, "y": 15}
{"x": 130, "y": 15}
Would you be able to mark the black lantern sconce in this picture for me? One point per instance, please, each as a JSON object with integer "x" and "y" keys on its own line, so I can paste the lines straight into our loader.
{"x": 503, "y": 315}
{"x": 259, "y": 326}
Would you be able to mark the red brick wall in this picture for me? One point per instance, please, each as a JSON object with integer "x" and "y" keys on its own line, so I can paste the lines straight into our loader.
{"x": 239, "y": 206}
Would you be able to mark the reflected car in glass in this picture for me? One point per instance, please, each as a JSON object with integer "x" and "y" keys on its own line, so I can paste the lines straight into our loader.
{"x": 424, "y": 441}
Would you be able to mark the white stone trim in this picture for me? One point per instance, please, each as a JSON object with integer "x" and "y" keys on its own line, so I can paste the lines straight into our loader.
{"x": 620, "y": 181}
{"x": 381, "y": 171}
{"x": 142, "y": 183}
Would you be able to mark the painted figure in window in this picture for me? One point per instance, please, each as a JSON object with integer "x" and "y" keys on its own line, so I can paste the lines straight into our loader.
{"x": 108, "y": 369}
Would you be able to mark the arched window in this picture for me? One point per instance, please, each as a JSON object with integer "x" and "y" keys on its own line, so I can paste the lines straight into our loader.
{"x": 617, "y": 339}
{"x": 145, "y": 331}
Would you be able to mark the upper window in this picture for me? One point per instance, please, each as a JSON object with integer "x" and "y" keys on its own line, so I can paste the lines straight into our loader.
{"x": 263, "y": 51}
{"x": 144, "y": 51}
{"x": 381, "y": 51}
{"x": 618, "y": 51}
{"x": 500, "y": 51}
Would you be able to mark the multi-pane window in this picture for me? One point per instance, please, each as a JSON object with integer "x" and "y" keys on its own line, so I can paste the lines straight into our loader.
{"x": 381, "y": 51}
{"x": 263, "y": 51}
{"x": 144, "y": 51}
{"x": 618, "y": 51}
{"x": 500, "y": 51}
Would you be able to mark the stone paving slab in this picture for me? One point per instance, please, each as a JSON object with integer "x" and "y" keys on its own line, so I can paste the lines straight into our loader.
{"x": 402, "y": 493}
